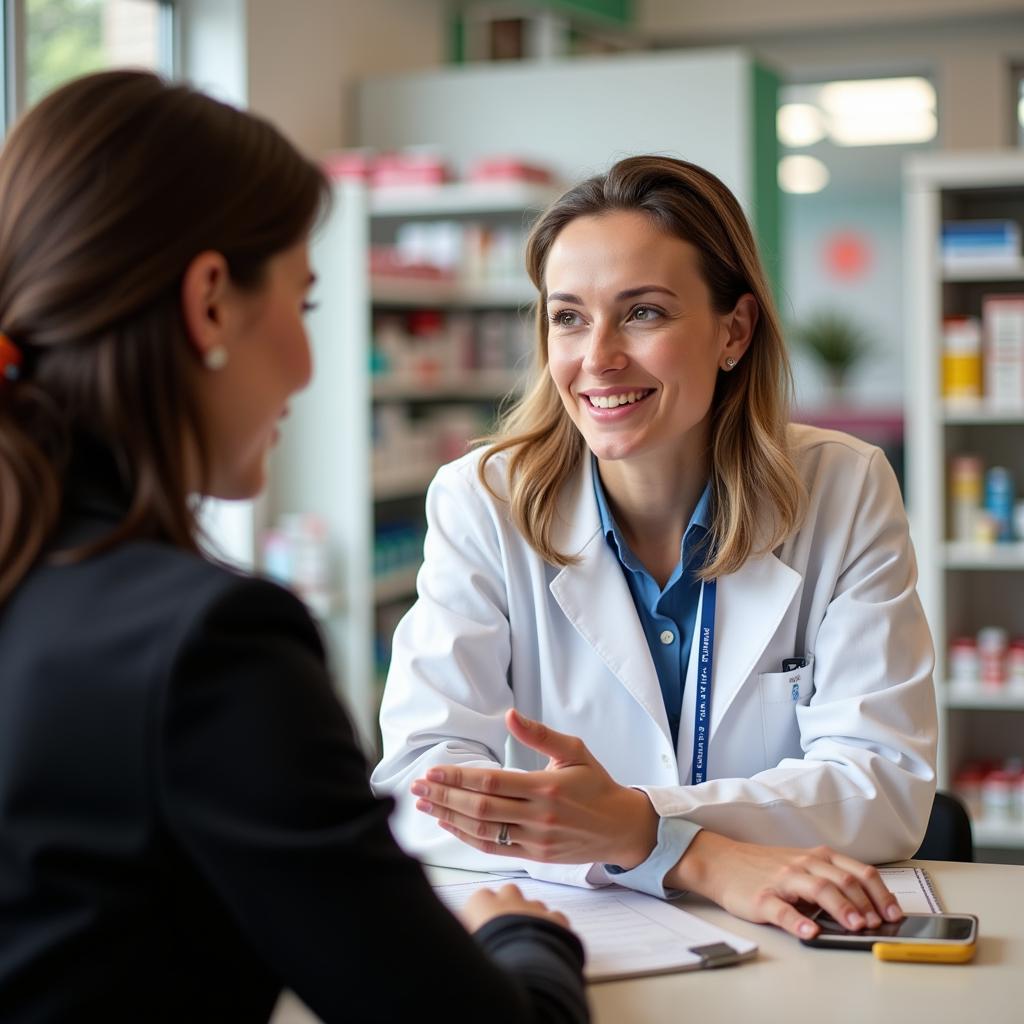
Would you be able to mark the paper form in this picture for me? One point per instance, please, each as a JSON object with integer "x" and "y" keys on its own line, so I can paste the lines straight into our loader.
{"x": 624, "y": 933}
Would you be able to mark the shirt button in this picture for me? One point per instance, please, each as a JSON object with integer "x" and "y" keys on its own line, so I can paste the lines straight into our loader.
{"x": 666, "y": 760}
{"x": 667, "y": 636}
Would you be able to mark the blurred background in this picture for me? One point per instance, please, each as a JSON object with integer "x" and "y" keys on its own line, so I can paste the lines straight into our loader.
{"x": 876, "y": 145}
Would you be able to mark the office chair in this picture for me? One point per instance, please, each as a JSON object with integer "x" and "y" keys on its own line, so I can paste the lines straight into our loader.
{"x": 948, "y": 836}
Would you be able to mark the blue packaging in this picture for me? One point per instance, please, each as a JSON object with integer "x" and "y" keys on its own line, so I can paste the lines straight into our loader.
{"x": 999, "y": 500}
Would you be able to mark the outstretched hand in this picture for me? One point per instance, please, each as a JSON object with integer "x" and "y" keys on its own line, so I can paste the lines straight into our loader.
{"x": 571, "y": 812}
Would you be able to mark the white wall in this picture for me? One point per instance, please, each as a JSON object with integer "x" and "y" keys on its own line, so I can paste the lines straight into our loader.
{"x": 874, "y": 300}
{"x": 304, "y": 56}
{"x": 578, "y": 115}
{"x": 295, "y": 62}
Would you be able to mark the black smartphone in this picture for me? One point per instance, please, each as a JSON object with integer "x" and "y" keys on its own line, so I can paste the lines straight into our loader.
{"x": 938, "y": 929}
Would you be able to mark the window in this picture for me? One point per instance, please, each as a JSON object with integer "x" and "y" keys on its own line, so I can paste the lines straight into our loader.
{"x": 56, "y": 40}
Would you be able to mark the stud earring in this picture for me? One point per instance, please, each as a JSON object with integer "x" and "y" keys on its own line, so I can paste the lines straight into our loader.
{"x": 729, "y": 362}
{"x": 216, "y": 358}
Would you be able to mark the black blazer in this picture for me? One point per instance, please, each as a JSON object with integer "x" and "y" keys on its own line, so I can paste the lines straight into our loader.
{"x": 186, "y": 824}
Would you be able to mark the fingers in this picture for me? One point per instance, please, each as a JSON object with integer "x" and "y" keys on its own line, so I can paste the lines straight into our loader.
{"x": 809, "y": 882}
{"x": 871, "y": 882}
{"x": 484, "y": 830}
{"x": 849, "y": 885}
{"x": 486, "y": 844}
{"x": 559, "y": 746}
{"x": 509, "y": 899}
{"x": 775, "y": 910}
{"x": 444, "y": 802}
{"x": 494, "y": 781}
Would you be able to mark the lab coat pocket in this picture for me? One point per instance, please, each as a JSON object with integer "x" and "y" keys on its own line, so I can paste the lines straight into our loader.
{"x": 781, "y": 694}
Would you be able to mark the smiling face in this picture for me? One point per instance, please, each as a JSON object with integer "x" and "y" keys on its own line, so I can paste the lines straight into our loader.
{"x": 634, "y": 344}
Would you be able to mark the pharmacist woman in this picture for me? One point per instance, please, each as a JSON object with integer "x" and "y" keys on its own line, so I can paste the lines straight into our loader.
{"x": 663, "y": 637}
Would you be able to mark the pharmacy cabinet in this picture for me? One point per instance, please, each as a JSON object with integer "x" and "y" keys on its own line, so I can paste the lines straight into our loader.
{"x": 965, "y": 329}
{"x": 422, "y": 328}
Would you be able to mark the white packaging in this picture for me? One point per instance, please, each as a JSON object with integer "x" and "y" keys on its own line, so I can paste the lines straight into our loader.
{"x": 1003, "y": 325}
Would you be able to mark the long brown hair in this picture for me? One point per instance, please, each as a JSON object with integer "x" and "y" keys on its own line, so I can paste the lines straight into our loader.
{"x": 758, "y": 495}
{"x": 108, "y": 188}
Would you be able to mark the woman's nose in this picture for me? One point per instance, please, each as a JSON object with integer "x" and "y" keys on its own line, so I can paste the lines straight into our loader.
{"x": 604, "y": 351}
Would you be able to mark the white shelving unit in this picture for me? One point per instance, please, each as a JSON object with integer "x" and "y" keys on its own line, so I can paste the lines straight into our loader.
{"x": 963, "y": 586}
{"x": 325, "y": 463}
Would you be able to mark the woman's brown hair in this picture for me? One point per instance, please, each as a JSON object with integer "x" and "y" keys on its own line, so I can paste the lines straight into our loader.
{"x": 108, "y": 188}
{"x": 758, "y": 495}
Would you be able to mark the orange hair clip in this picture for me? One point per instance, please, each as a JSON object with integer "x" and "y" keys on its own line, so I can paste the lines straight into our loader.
{"x": 10, "y": 359}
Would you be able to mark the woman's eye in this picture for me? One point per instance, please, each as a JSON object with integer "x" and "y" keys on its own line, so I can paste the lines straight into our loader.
{"x": 646, "y": 313}
{"x": 565, "y": 318}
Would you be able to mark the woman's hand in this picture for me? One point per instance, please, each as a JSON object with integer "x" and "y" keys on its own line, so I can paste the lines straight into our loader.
{"x": 487, "y": 904}
{"x": 775, "y": 884}
{"x": 572, "y": 812}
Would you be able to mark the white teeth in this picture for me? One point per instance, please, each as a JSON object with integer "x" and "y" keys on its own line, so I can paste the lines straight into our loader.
{"x": 614, "y": 401}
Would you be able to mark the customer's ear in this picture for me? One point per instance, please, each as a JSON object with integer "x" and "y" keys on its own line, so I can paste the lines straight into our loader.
{"x": 207, "y": 304}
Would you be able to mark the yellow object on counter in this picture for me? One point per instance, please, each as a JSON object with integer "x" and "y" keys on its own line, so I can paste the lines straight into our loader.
{"x": 924, "y": 952}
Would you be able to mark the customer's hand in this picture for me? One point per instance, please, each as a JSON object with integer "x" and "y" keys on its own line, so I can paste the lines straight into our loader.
{"x": 572, "y": 812}
{"x": 777, "y": 884}
{"x": 487, "y": 904}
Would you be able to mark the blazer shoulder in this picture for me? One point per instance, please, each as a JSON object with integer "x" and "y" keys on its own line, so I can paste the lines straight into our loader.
{"x": 183, "y": 591}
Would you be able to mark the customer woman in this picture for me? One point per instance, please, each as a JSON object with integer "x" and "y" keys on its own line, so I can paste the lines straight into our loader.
{"x": 185, "y": 820}
{"x": 712, "y": 612}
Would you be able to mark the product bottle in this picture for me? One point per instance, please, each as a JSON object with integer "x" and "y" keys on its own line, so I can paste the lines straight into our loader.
{"x": 992, "y": 657}
{"x": 965, "y": 488}
{"x": 999, "y": 500}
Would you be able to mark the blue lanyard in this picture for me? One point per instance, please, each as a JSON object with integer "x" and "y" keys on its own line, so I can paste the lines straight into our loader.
{"x": 705, "y": 660}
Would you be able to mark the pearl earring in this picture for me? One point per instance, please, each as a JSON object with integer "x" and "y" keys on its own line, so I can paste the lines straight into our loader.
{"x": 730, "y": 363}
{"x": 216, "y": 358}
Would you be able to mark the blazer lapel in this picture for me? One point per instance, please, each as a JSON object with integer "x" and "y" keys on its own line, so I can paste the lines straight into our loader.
{"x": 595, "y": 598}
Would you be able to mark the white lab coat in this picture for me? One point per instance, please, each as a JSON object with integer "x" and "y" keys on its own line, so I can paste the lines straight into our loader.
{"x": 848, "y": 759}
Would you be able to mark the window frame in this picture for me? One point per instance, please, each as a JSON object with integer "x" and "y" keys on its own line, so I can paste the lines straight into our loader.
{"x": 13, "y": 36}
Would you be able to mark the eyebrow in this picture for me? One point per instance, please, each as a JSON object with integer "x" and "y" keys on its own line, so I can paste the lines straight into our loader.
{"x": 629, "y": 293}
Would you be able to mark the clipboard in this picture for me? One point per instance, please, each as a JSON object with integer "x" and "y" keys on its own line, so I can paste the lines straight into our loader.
{"x": 625, "y": 934}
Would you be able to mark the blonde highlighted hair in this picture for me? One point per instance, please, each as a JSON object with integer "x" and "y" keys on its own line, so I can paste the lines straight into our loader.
{"x": 759, "y": 498}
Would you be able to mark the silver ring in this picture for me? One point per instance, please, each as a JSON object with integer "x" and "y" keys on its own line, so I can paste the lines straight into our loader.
{"x": 503, "y": 839}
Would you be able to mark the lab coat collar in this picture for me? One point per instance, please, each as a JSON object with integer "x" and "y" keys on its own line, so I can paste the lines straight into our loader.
{"x": 594, "y": 596}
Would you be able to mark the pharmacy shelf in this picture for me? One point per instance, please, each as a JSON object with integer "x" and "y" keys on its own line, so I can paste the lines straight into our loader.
{"x": 979, "y": 413}
{"x": 341, "y": 480}
{"x": 984, "y": 272}
{"x": 994, "y": 836}
{"x": 979, "y": 700}
{"x": 952, "y": 575}
{"x": 394, "y": 585}
{"x": 467, "y": 199}
{"x": 483, "y": 384}
{"x": 1001, "y": 556}
{"x": 428, "y": 293}
{"x": 402, "y": 482}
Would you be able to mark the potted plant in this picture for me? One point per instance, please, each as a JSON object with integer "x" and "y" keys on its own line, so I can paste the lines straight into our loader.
{"x": 836, "y": 340}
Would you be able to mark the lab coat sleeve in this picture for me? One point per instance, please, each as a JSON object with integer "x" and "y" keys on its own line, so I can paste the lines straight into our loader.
{"x": 448, "y": 684}
{"x": 867, "y": 778}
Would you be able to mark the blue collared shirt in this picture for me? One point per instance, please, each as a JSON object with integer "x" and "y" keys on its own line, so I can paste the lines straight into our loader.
{"x": 668, "y": 614}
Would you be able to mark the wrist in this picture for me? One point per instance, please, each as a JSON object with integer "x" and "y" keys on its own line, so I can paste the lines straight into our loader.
{"x": 640, "y": 838}
{"x": 696, "y": 870}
